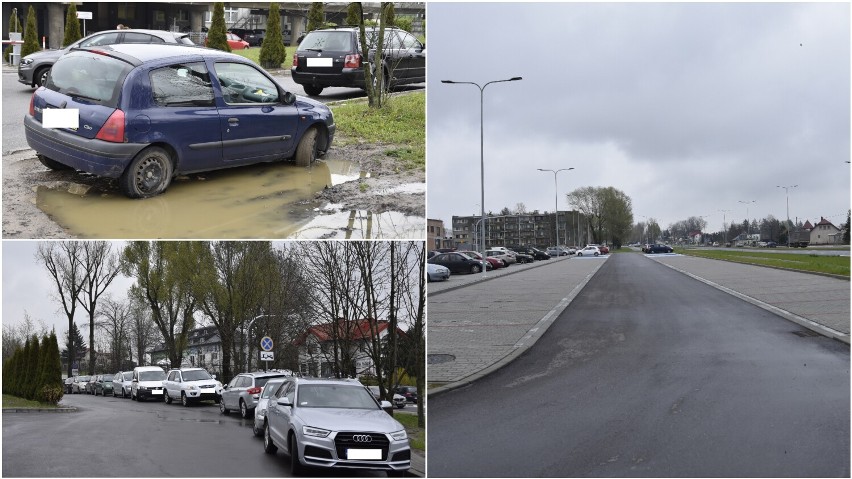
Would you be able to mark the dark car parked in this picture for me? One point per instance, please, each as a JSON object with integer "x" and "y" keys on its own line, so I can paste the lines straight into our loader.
{"x": 659, "y": 248}
{"x": 253, "y": 37}
{"x": 145, "y": 113}
{"x": 409, "y": 392}
{"x": 34, "y": 68}
{"x": 333, "y": 57}
{"x": 457, "y": 263}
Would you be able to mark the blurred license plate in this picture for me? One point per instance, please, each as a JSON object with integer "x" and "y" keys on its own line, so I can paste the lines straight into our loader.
{"x": 320, "y": 62}
{"x": 370, "y": 454}
{"x": 157, "y": 391}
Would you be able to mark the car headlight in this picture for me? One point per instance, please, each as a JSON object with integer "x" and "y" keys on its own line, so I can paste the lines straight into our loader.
{"x": 315, "y": 431}
{"x": 192, "y": 387}
{"x": 399, "y": 435}
{"x": 26, "y": 61}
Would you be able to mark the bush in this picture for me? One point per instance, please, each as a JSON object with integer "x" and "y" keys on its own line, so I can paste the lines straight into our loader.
{"x": 50, "y": 394}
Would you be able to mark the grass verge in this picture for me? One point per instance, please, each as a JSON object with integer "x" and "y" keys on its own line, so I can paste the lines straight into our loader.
{"x": 21, "y": 403}
{"x": 401, "y": 121}
{"x": 838, "y": 265}
{"x": 416, "y": 434}
{"x": 253, "y": 54}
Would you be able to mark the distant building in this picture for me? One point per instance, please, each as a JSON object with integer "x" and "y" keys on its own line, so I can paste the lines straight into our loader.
{"x": 526, "y": 229}
{"x": 437, "y": 236}
{"x": 825, "y": 233}
{"x": 203, "y": 350}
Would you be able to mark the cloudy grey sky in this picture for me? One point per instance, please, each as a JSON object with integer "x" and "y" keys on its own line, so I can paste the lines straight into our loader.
{"x": 687, "y": 108}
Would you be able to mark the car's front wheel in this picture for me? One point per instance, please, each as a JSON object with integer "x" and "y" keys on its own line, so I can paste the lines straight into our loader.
{"x": 184, "y": 400}
{"x": 306, "y": 152}
{"x": 296, "y": 467}
{"x": 149, "y": 174}
{"x": 312, "y": 90}
{"x": 222, "y": 408}
{"x": 268, "y": 446}
{"x": 41, "y": 75}
{"x": 166, "y": 397}
{"x": 476, "y": 268}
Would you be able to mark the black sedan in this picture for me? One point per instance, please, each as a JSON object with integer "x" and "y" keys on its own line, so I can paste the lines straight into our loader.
{"x": 457, "y": 263}
{"x": 659, "y": 248}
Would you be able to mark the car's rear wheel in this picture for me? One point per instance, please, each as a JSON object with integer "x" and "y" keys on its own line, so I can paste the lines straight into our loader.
{"x": 149, "y": 174}
{"x": 244, "y": 410}
{"x": 268, "y": 446}
{"x": 312, "y": 90}
{"x": 52, "y": 164}
{"x": 306, "y": 152}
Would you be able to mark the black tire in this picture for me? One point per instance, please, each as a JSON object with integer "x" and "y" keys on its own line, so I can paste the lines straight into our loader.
{"x": 296, "y": 467}
{"x": 385, "y": 80}
{"x": 184, "y": 401}
{"x": 222, "y": 408}
{"x": 256, "y": 430}
{"x": 311, "y": 90}
{"x": 149, "y": 174}
{"x": 166, "y": 397}
{"x": 40, "y": 76}
{"x": 596, "y": 254}
{"x": 244, "y": 410}
{"x": 476, "y": 269}
{"x": 268, "y": 446}
{"x": 306, "y": 152}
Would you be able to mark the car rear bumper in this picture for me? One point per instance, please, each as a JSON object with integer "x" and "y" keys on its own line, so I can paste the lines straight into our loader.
{"x": 97, "y": 157}
{"x": 348, "y": 77}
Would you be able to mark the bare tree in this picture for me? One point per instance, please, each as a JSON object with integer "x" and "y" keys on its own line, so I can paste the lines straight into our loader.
{"x": 15, "y": 335}
{"x": 62, "y": 260}
{"x": 100, "y": 267}
{"x": 115, "y": 324}
{"x": 143, "y": 331}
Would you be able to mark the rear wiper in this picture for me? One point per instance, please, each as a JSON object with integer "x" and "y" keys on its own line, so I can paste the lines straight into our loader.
{"x": 80, "y": 95}
{"x": 314, "y": 49}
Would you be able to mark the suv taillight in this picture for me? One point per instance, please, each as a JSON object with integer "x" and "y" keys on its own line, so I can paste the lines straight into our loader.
{"x": 254, "y": 390}
{"x": 295, "y": 60}
{"x": 353, "y": 61}
{"x": 113, "y": 129}
{"x": 32, "y": 105}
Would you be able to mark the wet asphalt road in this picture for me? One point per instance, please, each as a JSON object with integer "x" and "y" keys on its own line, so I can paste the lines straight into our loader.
{"x": 650, "y": 373}
{"x": 114, "y": 437}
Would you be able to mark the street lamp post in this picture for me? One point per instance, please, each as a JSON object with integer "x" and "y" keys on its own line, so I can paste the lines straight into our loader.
{"x": 556, "y": 197}
{"x": 723, "y": 224}
{"x": 748, "y": 221}
{"x": 787, "y": 190}
{"x": 481, "y": 148}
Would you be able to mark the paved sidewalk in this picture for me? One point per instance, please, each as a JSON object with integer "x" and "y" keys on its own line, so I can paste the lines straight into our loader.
{"x": 475, "y": 327}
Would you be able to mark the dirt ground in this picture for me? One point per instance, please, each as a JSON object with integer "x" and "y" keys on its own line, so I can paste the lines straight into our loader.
{"x": 377, "y": 191}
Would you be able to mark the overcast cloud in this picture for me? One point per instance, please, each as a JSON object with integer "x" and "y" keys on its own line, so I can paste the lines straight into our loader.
{"x": 687, "y": 108}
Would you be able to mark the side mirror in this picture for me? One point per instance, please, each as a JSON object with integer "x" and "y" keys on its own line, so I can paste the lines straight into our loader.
{"x": 214, "y": 376}
{"x": 288, "y": 99}
{"x": 284, "y": 401}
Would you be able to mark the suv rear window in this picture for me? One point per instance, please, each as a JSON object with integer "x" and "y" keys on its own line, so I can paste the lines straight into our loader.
{"x": 328, "y": 41}
{"x": 88, "y": 75}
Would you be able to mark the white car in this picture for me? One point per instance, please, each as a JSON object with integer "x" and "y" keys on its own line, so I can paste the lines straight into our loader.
{"x": 121, "y": 384}
{"x": 190, "y": 385}
{"x": 436, "y": 272}
{"x": 589, "y": 251}
{"x": 260, "y": 411}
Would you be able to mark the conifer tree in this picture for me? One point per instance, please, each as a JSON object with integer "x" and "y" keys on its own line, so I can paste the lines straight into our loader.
{"x": 353, "y": 14}
{"x": 32, "y": 374}
{"x": 31, "y": 44}
{"x": 273, "y": 52}
{"x": 390, "y": 15}
{"x": 72, "y": 26}
{"x": 316, "y": 16}
{"x": 217, "y": 35}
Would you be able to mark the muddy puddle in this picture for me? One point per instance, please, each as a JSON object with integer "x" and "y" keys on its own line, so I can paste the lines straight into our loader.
{"x": 260, "y": 201}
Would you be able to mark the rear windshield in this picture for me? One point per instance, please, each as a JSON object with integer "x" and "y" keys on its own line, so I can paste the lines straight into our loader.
{"x": 89, "y": 76}
{"x": 328, "y": 41}
{"x": 128, "y": 376}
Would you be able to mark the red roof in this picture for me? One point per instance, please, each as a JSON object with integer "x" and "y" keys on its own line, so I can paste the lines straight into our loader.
{"x": 808, "y": 225}
{"x": 359, "y": 329}
{"x": 824, "y": 222}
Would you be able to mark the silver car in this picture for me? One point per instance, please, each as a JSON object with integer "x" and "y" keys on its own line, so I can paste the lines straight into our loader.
{"x": 334, "y": 423}
{"x": 121, "y": 383}
{"x": 34, "y": 68}
{"x": 79, "y": 384}
{"x": 243, "y": 392}
{"x": 269, "y": 388}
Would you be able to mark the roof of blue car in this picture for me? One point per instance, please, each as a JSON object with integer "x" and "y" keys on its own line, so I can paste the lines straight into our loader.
{"x": 145, "y": 52}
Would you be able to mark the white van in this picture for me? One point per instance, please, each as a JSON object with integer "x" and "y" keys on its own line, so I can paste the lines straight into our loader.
{"x": 147, "y": 382}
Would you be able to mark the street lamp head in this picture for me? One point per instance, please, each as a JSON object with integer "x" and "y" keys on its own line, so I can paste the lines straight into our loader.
{"x": 515, "y": 78}
{"x": 447, "y": 81}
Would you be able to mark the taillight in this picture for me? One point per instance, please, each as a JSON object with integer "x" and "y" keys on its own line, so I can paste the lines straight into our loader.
{"x": 113, "y": 129}
{"x": 254, "y": 390}
{"x": 32, "y": 105}
{"x": 353, "y": 61}
{"x": 295, "y": 60}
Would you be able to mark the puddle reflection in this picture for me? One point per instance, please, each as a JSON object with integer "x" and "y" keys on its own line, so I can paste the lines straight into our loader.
{"x": 260, "y": 201}
{"x": 359, "y": 224}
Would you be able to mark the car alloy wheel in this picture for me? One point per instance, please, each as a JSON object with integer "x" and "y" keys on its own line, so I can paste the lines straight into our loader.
{"x": 222, "y": 408}
{"x": 268, "y": 446}
{"x": 184, "y": 400}
{"x": 166, "y": 396}
{"x": 244, "y": 412}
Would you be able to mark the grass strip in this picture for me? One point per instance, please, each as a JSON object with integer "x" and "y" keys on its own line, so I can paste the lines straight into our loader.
{"x": 10, "y": 401}
{"x": 812, "y": 263}
{"x": 416, "y": 434}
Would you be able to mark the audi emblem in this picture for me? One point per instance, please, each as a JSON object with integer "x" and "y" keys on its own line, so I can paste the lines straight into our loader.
{"x": 362, "y": 438}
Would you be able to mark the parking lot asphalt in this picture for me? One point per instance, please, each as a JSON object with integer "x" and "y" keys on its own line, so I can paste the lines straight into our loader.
{"x": 477, "y": 326}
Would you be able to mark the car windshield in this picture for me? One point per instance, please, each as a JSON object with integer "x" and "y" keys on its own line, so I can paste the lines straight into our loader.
{"x": 196, "y": 375}
{"x": 128, "y": 376}
{"x": 335, "y": 396}
{"x": 338, "y": 41}
{"x": 152, "y": 375}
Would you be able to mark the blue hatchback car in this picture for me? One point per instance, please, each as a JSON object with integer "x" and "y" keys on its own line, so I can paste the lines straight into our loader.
{"x": 145, "y": 113}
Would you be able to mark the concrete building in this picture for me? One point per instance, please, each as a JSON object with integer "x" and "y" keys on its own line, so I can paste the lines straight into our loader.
{"x": 533, "y": 229}
{"x": 437, "y": 236}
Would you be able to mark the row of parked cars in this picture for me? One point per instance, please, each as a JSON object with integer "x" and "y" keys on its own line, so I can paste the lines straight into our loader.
{"x": 323, "y": 423}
